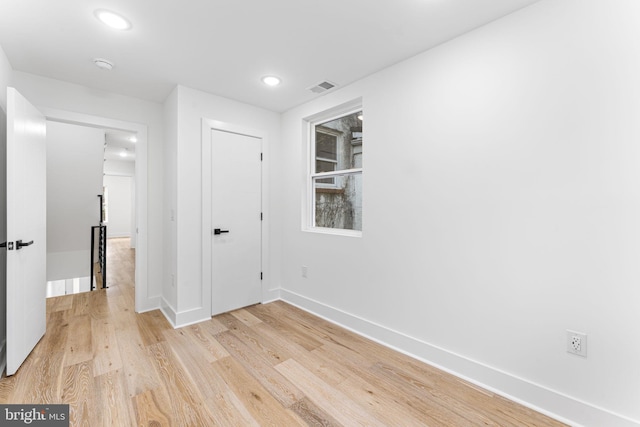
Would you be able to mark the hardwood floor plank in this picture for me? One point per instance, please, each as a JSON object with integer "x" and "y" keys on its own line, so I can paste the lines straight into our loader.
{"x": 334, "y": 402}
{"x": 61, "y": 303}
{"x": 262, "y": 406}
{"x": 151, "y": 326}
{"x": 106, "y": 353}
{"x": 7, "y": 386}
{"x": 312, "y": 415}
{"x": 184, "y": 398}
{"x": 203, "y": 337}
{"x": 139, "y": 375}
{"x": 228, "y": 410}
{"x": 278, "y": 386}
{"x": 266, "y": 314}
{"x": 99, "y": 304}
{"x": 196, "y": 360}
{"x": 114, "y": 408}
{"x": 55, "y": 338}
{"x": 150, "y": 411}
{"x": 319, "y": 367}
{"x": 79, "y": 348}
{"x": 82, "y": 303}
{"x": 78, "y": 392}
{"x": 272, "y": 352}
{"x": 213, "y": 326}
{"x": 246, "y": 317}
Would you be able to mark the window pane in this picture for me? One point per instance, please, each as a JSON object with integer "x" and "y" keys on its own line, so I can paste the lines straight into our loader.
{"x": 340, "y": 140}
{"x": 324, "y": 166}
{"x": 326, "y": 146}
{"x": 339, "y": 206}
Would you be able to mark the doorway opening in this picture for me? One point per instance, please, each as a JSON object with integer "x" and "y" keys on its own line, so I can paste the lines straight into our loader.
{"x": 90, "y": 177}
{"x": 118, "y": 129}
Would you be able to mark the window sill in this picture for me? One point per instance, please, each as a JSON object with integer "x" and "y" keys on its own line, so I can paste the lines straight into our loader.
{"x": 334, "y": 231}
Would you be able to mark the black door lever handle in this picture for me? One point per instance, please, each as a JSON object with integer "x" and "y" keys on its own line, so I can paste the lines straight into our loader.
{"x": 19, "y": 244}
{"x": 217, "y": 231}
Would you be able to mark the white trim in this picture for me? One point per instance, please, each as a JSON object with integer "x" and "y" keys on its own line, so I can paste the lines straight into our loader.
{"x": 542, "y": 399}
{"x": 168, "y": 311}
{"x": 334, "y": 231}
{"x": 340, "y": 172}
{"x": 143, "y": 301}
{"x": 207, "y": 126}
{"x": 184, "y": 318}
{"x": 116, "y": 235}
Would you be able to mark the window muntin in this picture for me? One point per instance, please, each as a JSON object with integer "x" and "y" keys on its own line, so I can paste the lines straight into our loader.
{"x": 336, "y": 173}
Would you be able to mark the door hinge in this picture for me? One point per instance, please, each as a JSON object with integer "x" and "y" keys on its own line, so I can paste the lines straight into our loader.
{"x": 261, "y": 275}
{"x": 260, "y": 156}
{"x": 261, "y": 217}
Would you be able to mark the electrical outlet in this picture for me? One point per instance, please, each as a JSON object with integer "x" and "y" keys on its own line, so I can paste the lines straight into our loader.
{"x": 304, "y": 271}
{"x": 577, "y": 343}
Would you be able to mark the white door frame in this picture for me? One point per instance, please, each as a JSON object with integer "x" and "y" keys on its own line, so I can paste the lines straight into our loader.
{"x": 207, "y": 126}
{"x": 143, "y": 302}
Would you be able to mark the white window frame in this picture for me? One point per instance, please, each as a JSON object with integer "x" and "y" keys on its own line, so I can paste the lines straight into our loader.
{"x": 309, "y": 217}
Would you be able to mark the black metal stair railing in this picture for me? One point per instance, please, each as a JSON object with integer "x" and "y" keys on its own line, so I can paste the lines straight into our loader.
{"x": 99, "y": 232}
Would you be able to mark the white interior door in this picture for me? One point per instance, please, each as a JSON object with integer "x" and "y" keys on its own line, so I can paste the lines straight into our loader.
{"x": 26, "y": 228}
{"x": 236, "y": 200}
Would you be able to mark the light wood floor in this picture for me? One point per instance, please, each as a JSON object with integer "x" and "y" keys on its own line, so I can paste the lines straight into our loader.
{"x": 266, "y": 365}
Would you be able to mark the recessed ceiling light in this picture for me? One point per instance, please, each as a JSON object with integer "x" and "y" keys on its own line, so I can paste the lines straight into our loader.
{"x": 133, "y": 139}
{"x": 271, "y": 80}
{"x": 103, "y": 64}
{"x": 112, "y": 19}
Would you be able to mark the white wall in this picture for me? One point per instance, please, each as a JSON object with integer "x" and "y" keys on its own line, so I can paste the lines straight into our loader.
{"x": 185, "y": 191}
{"x": 119, "y": 205}
{"x": 6, "y": 77}
{"x": 75, "y": 156}
{"x": 126, "y": 168}
{"x": 501, "y": 205}
{"x": 50, "y": 93}
{"x": 6, "y": 73}
{"x": 118, "y": 167}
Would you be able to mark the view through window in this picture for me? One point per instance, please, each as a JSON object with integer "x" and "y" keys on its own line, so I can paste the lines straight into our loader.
{"x": 336, "y": 178}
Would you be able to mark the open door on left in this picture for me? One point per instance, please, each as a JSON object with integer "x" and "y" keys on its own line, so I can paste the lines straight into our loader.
{"x": 26, "y": 228}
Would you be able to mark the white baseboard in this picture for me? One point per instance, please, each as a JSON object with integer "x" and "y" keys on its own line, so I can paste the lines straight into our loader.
{"x": 270, "y": 295}
{"x": 147, "y": 304}
{"x": 117, "y": 235}
{"x": 179, "y": 319}
{"x": 537, "y": 397}
{"x": 168, "y": 311}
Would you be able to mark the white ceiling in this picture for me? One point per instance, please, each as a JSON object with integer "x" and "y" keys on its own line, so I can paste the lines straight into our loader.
{"x": 118, "y": 143}
{"x": 225, "y": 46}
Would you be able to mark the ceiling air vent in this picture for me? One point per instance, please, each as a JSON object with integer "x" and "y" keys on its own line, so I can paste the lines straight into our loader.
{"x": 322, "y": 87}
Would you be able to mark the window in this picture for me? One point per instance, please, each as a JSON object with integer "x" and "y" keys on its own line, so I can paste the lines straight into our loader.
{"x": 335, "y": 179}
